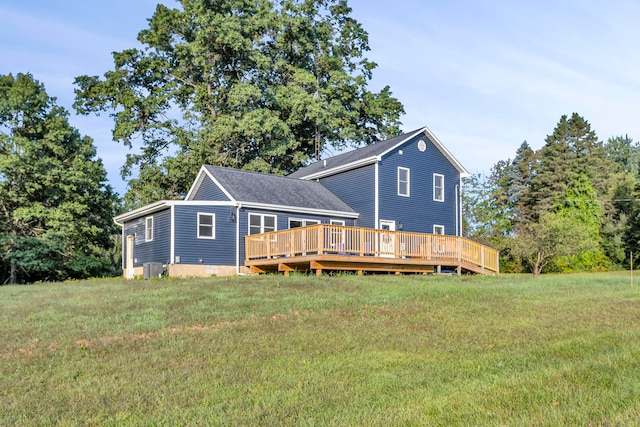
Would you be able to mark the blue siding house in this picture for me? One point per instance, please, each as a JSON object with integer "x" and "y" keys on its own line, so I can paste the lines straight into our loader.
{"x": 410, "y": 182}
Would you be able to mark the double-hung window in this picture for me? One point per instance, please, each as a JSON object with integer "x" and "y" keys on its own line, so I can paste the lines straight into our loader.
{"x": 206, "y": 226}
{"x": 261, "y": 223}
{"x": 438, "y": 187}
{"x": 148, "y": 229}
{"x": 403, "y": 181}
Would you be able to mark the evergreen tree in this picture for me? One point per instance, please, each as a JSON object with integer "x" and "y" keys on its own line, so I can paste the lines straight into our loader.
{"x": 618, "y": 226}
{"x": 624, "y": 153}
{"x": 261, "y": 85}
{"x": 571, "y": 164}
{"x": 519, "y": 188}
{"x": 55, "y": 206}
{"x": 570, "y": 178}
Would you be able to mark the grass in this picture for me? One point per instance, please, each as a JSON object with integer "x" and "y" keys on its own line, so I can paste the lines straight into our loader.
{"x": 346, "y": 350}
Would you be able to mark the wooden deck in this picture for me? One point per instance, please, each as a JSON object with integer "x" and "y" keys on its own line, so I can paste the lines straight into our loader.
{"x": 325, "y": 247}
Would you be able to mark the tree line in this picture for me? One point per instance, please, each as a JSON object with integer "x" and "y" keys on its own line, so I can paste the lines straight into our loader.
{"x": 572, "y": 205}
{"x": 56, "y": 207}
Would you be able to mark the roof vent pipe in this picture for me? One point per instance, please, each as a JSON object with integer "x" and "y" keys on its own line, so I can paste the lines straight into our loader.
{"x": 324, "y": 163}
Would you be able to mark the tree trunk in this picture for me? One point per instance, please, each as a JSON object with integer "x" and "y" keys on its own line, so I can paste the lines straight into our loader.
{"x": 537, "y": 267}
{"x": 13, "y": 266}
{"x": 13, "y": 275}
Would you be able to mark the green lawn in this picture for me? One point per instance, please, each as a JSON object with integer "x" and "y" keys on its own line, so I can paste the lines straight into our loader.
{"x": 346, "y": 350}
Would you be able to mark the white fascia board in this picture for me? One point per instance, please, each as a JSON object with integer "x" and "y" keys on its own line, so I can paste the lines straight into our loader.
{"x": 440, "y": 146}
{"x": 224, "y": 190}
{"x": 144, "y": 210}
{"x": 195, "y": 184}
{"x": 348, "y": 166}
{"x": 400, "y": 143}
{"x": 163, "y": 204}
{"x": 203, "y": 203}
{"x": 311, "y": 211}
{"x": 425, "y": 130}
{"x": 200, "y": 179}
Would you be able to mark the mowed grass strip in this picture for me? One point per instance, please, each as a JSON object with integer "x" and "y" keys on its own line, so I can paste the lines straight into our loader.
{"x": 346, "y": 350}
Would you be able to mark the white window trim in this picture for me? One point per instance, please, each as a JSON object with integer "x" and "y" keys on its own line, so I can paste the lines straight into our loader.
{"x": 400, "y": 168}
{"x": 337, "y": 222}
{"x": 435, "y": 227}
{"x": 262, "y": 217}
{"x": 148, "y": 230}
{"x": 213, "y": 225}
{"x": 434, "y": 187}
{"x": 303, "y": 221}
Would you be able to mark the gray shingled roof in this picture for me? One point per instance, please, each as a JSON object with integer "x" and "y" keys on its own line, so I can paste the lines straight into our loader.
{"x": 352, "y": 156}
{"x": 255, "y": 187}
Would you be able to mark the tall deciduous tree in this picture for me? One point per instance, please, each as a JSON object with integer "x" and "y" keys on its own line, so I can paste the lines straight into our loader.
{"x": 486, "y": 203}
{"x": 55, "y": 206}
{"x": 262, "y": 85}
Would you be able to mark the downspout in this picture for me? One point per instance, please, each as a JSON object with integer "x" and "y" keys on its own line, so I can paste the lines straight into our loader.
{"x": 457, "y": 211}
{"x": 123, "y": 244}
{"x": 460, "y": 212}
{"x": 238, "y": 239}
{"x": 172, "y": 250}
{"x": 375, "y": 197}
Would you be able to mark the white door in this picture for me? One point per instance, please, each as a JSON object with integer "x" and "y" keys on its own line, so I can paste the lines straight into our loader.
{"x": 128, "y": 268}
{"x": 387, "y": 240}
{"x": 297, "y": 223}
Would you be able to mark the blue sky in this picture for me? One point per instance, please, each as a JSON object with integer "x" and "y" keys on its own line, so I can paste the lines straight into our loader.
{"x": 482, "y": 75}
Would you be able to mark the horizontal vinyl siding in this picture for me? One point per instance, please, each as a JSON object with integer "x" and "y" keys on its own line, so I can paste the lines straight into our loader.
{"x": 210, "y": 191}
{"x": 191, "y": 250}
{"x": 357, "y": 189}
{"x": 157, "y": 250}
{"x": 418, "y": 212}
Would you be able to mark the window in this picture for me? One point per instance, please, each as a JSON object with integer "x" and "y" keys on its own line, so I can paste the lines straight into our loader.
{"x": 206, "y": 226}
{"x": 295, "y": 223}
{"x": 403, "y": 182}
{"x": 438, "y": 187}
{"x": 438, "y": 229}
{"x": 259, "y": 223}
{"x": 337, "y": 235}
{"x": 148, "y": 229}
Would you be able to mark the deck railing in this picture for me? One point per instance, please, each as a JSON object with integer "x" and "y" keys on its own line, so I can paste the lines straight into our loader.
{"x": 341, "y": 240}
